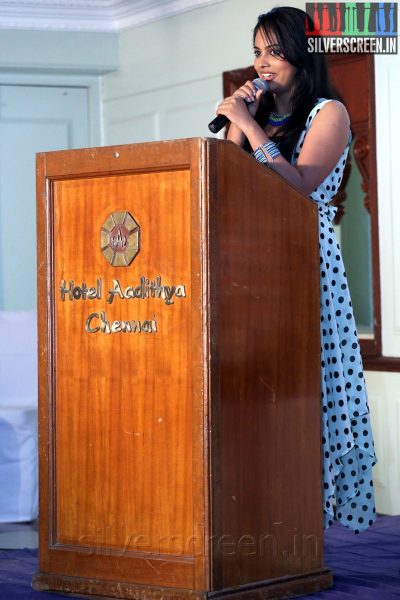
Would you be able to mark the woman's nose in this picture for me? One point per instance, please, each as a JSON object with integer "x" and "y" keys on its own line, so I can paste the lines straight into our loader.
{"x": 264, "y": 59}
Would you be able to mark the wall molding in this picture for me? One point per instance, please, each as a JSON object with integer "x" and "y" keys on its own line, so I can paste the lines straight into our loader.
{"x": 90, "y": 15}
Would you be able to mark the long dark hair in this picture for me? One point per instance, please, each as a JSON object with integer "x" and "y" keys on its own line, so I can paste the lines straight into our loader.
{"x": 289, "y": 25}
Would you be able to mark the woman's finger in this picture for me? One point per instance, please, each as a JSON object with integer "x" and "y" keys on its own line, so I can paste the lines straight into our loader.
{"x": 246, "y": 91}
{"x": 229, "y": 102}
{"x": 253, "y": 107}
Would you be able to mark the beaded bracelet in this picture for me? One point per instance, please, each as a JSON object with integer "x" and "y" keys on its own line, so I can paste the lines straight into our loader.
{"x": 266, "y": 153}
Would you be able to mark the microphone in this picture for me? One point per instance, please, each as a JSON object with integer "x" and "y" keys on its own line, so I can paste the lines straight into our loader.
{"x": 221, "y": 120}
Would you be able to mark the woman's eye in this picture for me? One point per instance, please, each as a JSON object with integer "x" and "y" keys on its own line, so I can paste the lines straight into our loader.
{"x": 276, "y": 52}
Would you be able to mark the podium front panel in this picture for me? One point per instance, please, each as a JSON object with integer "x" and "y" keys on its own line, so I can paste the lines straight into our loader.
{"x": 124, "y": 406}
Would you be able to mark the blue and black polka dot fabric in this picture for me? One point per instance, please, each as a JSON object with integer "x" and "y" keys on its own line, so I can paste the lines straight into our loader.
{"x": 347, "y": 442}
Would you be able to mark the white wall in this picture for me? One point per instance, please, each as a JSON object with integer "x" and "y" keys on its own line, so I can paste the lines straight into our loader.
{"x": 57, "y": 51}
{"x": 384, "y": 403}
{"x": 169, "y": 81}
{"x": 387, "y": 77}
{"x": 384, "y": 388}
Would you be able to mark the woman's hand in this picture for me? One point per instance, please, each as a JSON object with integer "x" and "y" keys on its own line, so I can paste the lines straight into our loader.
{"x": 242, "y": 106}
{"x": 251, "y": 95}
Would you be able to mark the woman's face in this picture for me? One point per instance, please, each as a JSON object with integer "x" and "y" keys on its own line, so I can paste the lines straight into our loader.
{"x": 271, "y": 65}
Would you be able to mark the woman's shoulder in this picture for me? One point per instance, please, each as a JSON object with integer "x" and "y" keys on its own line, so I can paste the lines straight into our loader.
{"x": 330, "y": 108}
{"x": 327, "y": 119}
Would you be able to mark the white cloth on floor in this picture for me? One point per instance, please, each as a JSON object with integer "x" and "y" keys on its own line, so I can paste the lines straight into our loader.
{"x": 18, "y": 416}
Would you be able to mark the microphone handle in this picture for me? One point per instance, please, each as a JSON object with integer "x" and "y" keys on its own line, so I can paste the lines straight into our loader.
{"x": 218, "y": 123}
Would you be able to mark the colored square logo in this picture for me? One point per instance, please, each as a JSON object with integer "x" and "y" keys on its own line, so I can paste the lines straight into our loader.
{"x": 352, "y": 27}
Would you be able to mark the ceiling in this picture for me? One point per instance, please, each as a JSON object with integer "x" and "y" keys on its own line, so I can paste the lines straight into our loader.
{"x": 89, "y": 15}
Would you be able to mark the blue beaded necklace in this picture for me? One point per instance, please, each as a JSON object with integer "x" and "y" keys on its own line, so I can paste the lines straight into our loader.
{"x": 278, "y": 120}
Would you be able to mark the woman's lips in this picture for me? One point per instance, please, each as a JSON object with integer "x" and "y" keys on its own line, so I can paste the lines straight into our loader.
{"x": 268, "y": 76}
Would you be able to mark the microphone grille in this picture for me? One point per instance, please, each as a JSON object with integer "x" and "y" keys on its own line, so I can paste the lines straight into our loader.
{"x": 261, "y": 84}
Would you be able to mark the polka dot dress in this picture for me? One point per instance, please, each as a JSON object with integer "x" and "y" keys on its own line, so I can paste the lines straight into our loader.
{"x": 347, "y": 443}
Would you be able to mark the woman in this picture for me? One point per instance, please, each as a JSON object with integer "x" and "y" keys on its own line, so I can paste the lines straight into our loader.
{"x": 301, "y": 131}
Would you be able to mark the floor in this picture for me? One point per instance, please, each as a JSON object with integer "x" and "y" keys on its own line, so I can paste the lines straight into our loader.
{"x": 365, "y": 566}
{"x": 19, "y": 535}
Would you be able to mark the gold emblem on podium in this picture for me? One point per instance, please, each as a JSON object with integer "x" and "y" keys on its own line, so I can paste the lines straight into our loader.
{"x": 120, "y": 239}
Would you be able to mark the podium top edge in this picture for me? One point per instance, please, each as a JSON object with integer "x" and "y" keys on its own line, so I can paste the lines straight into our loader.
{"x": 128, "y": 158}
{"x": 116, "y": 147}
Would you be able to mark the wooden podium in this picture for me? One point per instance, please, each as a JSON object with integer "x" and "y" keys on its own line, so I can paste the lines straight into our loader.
{"x": 179, "y": 366}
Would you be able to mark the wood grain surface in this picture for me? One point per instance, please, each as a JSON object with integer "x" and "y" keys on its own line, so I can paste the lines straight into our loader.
{"x": 131, "y": 402}
{"x": 267, "y": 519}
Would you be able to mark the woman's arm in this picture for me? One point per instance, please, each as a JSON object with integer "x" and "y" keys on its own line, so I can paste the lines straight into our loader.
{"x": 246, "y": 93}
{"x": 235, "y": 135}
{"x": 323, "y": 145}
